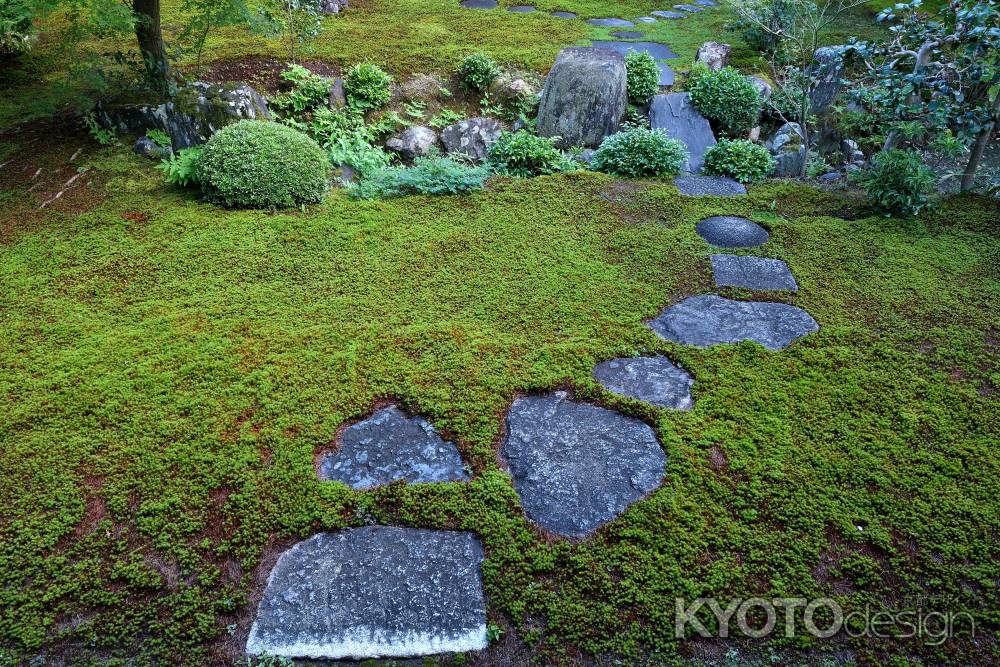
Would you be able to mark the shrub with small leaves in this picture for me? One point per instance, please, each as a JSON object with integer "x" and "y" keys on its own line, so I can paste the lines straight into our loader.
{"x": 741, "y": 159}
{"x": 477, "y": 72}
{"x": 726, "y": 97}
{"x": 367, "y": 86}
{"x": 638, "y": 152}
{"x": 181, "y": 168}
{"x": 427, "y": 176}
{"x": 308, "y": 92}
{"x": 642, "y": 77}
{"x": 898, "y": 182}
{"x": 525, "y": 155}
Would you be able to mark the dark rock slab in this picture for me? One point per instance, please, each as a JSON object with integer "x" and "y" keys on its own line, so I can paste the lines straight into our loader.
{"x": 373, "y": 592}
{"x": 390, "y": 446}
{"x": 709, "y": 319}
{"x": 611, "y": 23}
{"x": 521, "y": 9}
{"x": 666, "y": 74}
{"x": 657, "y": 50}
{"x": 584, "y": 97}
{"x": 675, "y": 115}
{"x": 564, "y": 15}
{"x": 756, "y": 273}
{"x": 667, "y": 14}
{"x": 479, "y": 4}
{"x": 577, "y": 466}
{"x": 694, "y": 9}
{"x": 705, "y": 186}
{"x": 730, "y": 231}
{"x": 655, "y": 380}
{"x": 627, "y": 34}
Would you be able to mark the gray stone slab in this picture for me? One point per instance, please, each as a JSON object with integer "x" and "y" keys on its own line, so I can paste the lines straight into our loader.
{"x": 479, "y": 4}
{"x": 674, "y": 114}
{"x": 521, "y": 9}
{"x": 390, "y": 446}
{"x": 646, "y": 19}
{"x": 756, "y": 273}
{"x": 666, "y": 74}
{"x": 694, "y": 9}
{"x": 577, "y": 466}
{"x": 667, "y": 14}
{"x": 564, "y": 15}
{"x": 657, "y": 50}
{"x": 611, "y": 23}
{"x": 373, "y": 592}
{"x": 709, "y": 186}
{"x": 705, "y": 3}
{"x": 627, "y": 34}
{"x": 709, "y": 319}
{"x": 730, "y": 231}
{"x": 655, "y": 380}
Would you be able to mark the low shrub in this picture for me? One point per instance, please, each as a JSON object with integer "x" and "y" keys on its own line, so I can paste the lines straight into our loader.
{"x": 327, "y": 125}
{"x": 355, "y": 151}
{"x": 642, "y": 77}
{"x": 523, "y": 154}
{"x": 765, "y": 20}
{"x": 640, "y": 152}
{"x": 181, "y": 168}
{"x": 898, "y": 182}
{"x": 308, "y": 92}
{"x": 477, "y": 72}
{"x": 741, "y": 159}
{"x": 367, "y": 86}
{"x": 255, "y": 164}
{"x": 726, "y": 97}
{"x": 427, "y": 176}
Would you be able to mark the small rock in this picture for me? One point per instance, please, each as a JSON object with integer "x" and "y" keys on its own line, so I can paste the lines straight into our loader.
{"x": 338, "y": 97}
{"x": 830, "y": 177}
{"x": 714, "y": 55}
{"x": 789, "y": 151}
{"x": 416, "y": 141}
{"x": 472, "y": 137}
{"x": 515, "y": 89}
{"x": 148, "y": 148}
{"x": 585, "y": 157}
{"x": 763, "y": 87}
{"x": 332, "y": 6}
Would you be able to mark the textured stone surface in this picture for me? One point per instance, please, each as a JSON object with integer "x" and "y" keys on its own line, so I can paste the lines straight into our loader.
{"x": 709, "y": 319}
{"x": 521, "y": 9}
{"x": 611, "y": 23}
{"x": 694, "y": 9}
{"x": 332, "y": 6}
{"x": 338, "y": 96}
{"x": 577, "y": 466}
{"x": 655, "y": 380}
{"x": 789, "y": 150}
{"x": 472, "y": 137}
{"x": 627, "y": 34}
{"x": 674, "y": 114}
{"x": 705, "y": 3}
{"x": 828, "y": 68}
{"x": 584, "y": 98}
{"x": 416, "y": 141}
{"x": 656, "y": 49}
{"x": 390, "y": 446}
{"x": 479, "y": 4}
{"x": 667, "y": 14}
{"x": 714, "y": 55}
{"x": 564, "y": 15}
{"x": 756, "y": 273}
{"x": 703, "y": 186}
{"x": 646, "y": 19}
{"x": 373, "y": 592}
{"x": 666, "y": 74}
{"x": 730, "y": 231}
{"x": 147, "y": 148}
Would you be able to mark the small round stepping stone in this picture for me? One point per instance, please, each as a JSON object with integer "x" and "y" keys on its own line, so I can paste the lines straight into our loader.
{"x": 646, "y": 19}
{"x": 373, "y": 592}
{"x": 389, "y": 446}
{"x": 705, "y": 186}
{"x": 709, "y": 319}
{"x": 611, "y": 23}
{"x": 577, "y": 466}
{"x": 756, "y": 273}
{"x": 521, "y": 9}
{"x": 730, "y": 231}
{"x": 564, "y": 15}
{"x": 655, "y": 380}
{"x": 665, "y": 14}
{"x": 479, "y": 4}
{"x": 627, "y": 34}
{"x": 657, "y": 50}
{"x": 694, "y": 9}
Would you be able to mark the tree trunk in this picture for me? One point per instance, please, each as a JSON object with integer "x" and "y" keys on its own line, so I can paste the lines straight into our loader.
{"x": 154, "y": 53}
{"x": 978, "y": 148}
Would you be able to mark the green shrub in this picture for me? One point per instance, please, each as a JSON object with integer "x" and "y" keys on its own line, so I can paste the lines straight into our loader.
{"x": 327, "y": 125}
{"x": 355, "y": 151}
{"x": 898, "y": 182}
{"x": 524, "y": 155}
{"x": 726, "y": 97}
{"x": 309, "y": 91}
{"x": 16, "y": 26}
{"x": 640, "y": 152}
{"x": 427, "y": 176}
{"x": 741, "y": 159}
{"x": 643, "y": 77}
{"x": 765, "y": 19}
{"x": 181, "y": 168}
{"x": 477, "y": 72}
{"x": 255, "y": 164}
{"x": 367, "y": 86}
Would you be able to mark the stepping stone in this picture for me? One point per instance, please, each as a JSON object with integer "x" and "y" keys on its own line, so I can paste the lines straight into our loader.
{"x": 756, "y": 273}
{"x": 666, "y": 75}
{"x": 704, "y": 186}
{"x": 390, "y": 446}
{"x": 705, "y": 3}
{"x": 665, "y": 14}
{"x": 373, "y": 592}
{"x": 611, "y": 23}
{"x": 655, "y": 380}
{"x": 564, "y": 15}
{"x": 646, "y": 19}
{"x": 627, "y": 34}
{"x": 709, "y": 319}
{"x": 577, "y": 466}
{"x": 655, "y": 49}
{"x": 479, "y": 4}
{"x": 730, "y": 231}
{"x": 675, "y": 115}
{"x": 690, "y": 8}
{"x": 521, "y": 9}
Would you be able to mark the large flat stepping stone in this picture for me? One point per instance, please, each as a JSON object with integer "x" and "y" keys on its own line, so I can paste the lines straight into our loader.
{"x": 627, "y": 34}
{"x": 674, "y": 114}
{"x": 667, "y": 14}
{"x": 731, "y": 231}
{"x": 563, "y": 15}
{"x": 709, "y": 186}
{"x": 521, "y": 9}
{"x": 479, "y": 4}
{"x": 657, "y": 50}
{"x": 611, "y": 23}
{"x": 646, "y": 19}
{"x": 694, "y": 9}
{"x": 390, "y": 446}
{"x": 577, "y": 466}
{"x": 655, "y": 380}
{"x": 756, "y": 273}
{"x": 709, "y": 319}
{"x": 373, "y": 592}
{"x": 705, "y": 3}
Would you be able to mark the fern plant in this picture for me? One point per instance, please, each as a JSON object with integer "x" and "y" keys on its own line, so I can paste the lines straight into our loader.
{"x": 181, "y": 168}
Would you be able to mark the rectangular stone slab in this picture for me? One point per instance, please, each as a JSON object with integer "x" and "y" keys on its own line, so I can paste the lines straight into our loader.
{"x": 756, "y": 273}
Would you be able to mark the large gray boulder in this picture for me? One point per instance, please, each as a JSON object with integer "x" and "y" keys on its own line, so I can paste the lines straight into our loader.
{"x": 472, "y": 137}
{"x": 789, "y": 150}
{"x": 675, "y": 115}
{"x": 416, "y": 141}
{"x": 584, "y": 98}
{"x": 714, "y": 55}
{"x": 828, "y": 65}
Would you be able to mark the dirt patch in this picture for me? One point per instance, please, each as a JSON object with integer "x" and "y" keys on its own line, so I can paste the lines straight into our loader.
{"x": 717, "y": 458}
{"x": 263, "y": 74}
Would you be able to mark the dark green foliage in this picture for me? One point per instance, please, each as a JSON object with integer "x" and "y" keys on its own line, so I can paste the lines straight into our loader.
{"x": 181, "y": 168}
{"x": 640, "y": 151}
{"x": 643, "y": 77}
{"x": 524, "y": 154}
{"x": 776, "y": 15}
{"x": 16, "y": 26}
{"x": 477, "y": 72}
{"x": 254, "y": 164}
{"x": 898, "y": 182}
{"x": 741, "y": 159}
{"x": 308, "y": 92}
{"x": 726, "y": 97}
{"x": 427, "y": 176}
{"x": 367, "y": 86}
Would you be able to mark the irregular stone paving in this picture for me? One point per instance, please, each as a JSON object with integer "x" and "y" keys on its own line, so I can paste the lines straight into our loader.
{"x": 646, "y": 19}
{"x": 655, "y": 380}
{"x": 675, "y": 115}
{"x": 709, "y": 319}
{"x": 694, "y": 9}
{"x": 373, "y": 592}
{"x": 730, "y": 231}
{"x": 611, "y": 23}
{"x": 627, "y": 34}
{"x": 564, "y": 15}
{"x": 479, "y": 4}
{"x": 703, "y": 186}
{"x": 390, "y": 446}
{"x": 756, "y": 273}
{"x": 577, "y": 466}
{"x": 705, "y": 3}
{"x": 666, "y": 14}
{"x": 521, "y": 9}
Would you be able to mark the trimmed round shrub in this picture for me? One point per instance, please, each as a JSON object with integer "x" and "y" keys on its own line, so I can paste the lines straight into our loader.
{"x": 726, "y": 97}
{"x": 477, "y": 72}
{"x": 257, "y": 164}
{"x": 642, "y": 77}
{"x": 524, "y": 155}
{"x": 367, "y": 86}
{"x": 640, "y": 152}
{"x": 898, "y": 182}
{"x": 741, "y": 159}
